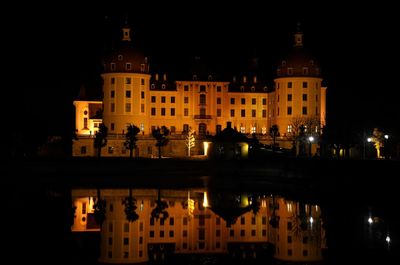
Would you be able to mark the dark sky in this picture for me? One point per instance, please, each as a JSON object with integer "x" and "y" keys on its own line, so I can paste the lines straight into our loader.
{"x": 356, "y": 48}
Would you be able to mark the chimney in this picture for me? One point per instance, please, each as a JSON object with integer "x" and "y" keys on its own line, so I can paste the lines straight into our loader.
{"x": 229, "y": 124}
{"x": 165, "y": 77}
{"x": 156, "y": 77}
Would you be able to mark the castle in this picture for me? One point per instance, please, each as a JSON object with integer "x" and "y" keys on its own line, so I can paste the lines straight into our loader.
{"x": 132, "y": 95}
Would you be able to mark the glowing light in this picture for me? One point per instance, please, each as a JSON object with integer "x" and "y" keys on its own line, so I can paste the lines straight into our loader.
{"x": 369, "y": 139}
{"x": 386, "y": 136}
{"x": 205, "y": 200}
{"x": 311, "y": 139}
{"x": 206, "y": 145}
{"x": 311, "y": 220}
{"x": 370, "y": 221}
{"x": 387, "y": 239}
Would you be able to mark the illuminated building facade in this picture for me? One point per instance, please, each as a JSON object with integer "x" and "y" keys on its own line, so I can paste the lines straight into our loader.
{"x": 132, "y": 95}
{"x": 192, "y": 226}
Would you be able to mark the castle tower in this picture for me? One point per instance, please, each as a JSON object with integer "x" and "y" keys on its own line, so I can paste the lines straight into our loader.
{"x": 126, "y": 80}
{"x": 299, "y": 97}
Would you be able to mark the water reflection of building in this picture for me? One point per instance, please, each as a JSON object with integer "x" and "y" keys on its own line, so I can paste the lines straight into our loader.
{"x": 287, "y": 230}
{"x": 133, "y": 94}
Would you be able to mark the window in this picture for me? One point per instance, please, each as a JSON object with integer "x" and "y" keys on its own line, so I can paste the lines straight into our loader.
{"x": 232, "y": 113}
{"x": 253, "y": 232}
{"x": 304, "y": 97}
{"x": 186, "y": 100}
{"x": 304, "y": 110}
{"x": 161, "y": 232}
{"x": 110, "y": 227}
{"x": 243, "y": 129}
{"x": 162, "y": 111}
{"x": 185, "y": 112}
{"x": 83, "y": 150}
{"x": 218, "y": 88}
{"x": 289, "y": 128}
{"x": 110, "y": 241}
{"x": 172, "y": 99}
{"x": 232, "y": 101}
{"x": 128, "y": 66}
{"x": 242, "y": 232}
{"x": 171, "y": 233}
{"x": 112, "y": 107}
{"x": 289, "y": 226}
{"x": 289, "y": 252}
{"x": 142, "y": 67}
{"x": 243, "y": 113}
{"x": 185, "y": 88}
{"x": 120, "y": 57}
{"x": 151, "y": 234}
{"x": 202, "y": 111}
{"x": 253, "y": 113}
{"x": 253, "y": 101}
{"x": 127, "y": 107}
{"x": 290, "y": 71}
{"x": 305, "y": 240}
{"x": 112, "y": 80}
{"x": 231, "y": 233}
{"x": 219, "y": 129}
{"x": 172, "y": 111}
{"x": 202, "y": 99}
{"x": 162, "y": 99}
{"x": 289, "y": 111}
{"x": 153, "y": 99}
{"x": 264, "y": 101}
{"x": 163, "y": 86}
{"x": 126, "y": 241}
{"x": 253, "y": 129}
{"x": 278, "y": 98}
{"x": 218, "y": 112}
{"x": 153, "y": 86}
{"x": 289, "y": 97}
{"x": 142, "y": 94}
{"x": 202, "y": 88}
{"x": 264, "y": 220}
{"x": 289, "y": 84}
{"x": 112, "y": 66}
{"x": 185, "y": 220}
{"x": 142, "y": 82}
{"x": 184, "y": 233}
{"x": 305, "y": 84}
{"x": 316, "y": 110}
{"x": 142, "y": 108}
{"x": 264, "y": 113}
{"x": 128, "y": 80}
{"x": 217, "y": 233}
{"x": 305, "y": 253}
{"x": 305, "y": 70}
{"x": 264, "y": 232}
{"x": 128, "y": 94}
{"x": 153, "y": 111}
{"x": 316, "y": 98}
{"x": 243, "y": 101}
{"x": 112, "y": 126}
{"x": 112, "y": 94}
{"x": 218, "y": 100}
{"x": 126, "y": 227}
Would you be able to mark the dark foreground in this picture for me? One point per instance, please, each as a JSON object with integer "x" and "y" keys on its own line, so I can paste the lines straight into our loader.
{"x": 36, "y": 215}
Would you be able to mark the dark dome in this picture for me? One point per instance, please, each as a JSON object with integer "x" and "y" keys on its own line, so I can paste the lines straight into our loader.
{"x": 126, "y": 59}
{"x": 298, "y": 63}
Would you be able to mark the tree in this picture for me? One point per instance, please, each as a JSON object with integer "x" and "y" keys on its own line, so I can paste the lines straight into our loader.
{"x": 190, "y": 140}
{"x": 130, "y": 207}
{"x": 160, "y": 210}
{"x": 131, "y": 138}
{"x": 274, "y": 132}
{"x": 302, "y": 127}
{"x": 161, "y": 136}
{"x": 100, "y": 139}
{"x": 99, "y": 209}
{"x": 377, "y": 139}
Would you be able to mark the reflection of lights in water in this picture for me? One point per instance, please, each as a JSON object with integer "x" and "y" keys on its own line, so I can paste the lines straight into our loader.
{"x": 311, "y": 220}
{"x": 141, "y": 206}
{"x": 205, "y": 200}
{"x": 370, "y": 220}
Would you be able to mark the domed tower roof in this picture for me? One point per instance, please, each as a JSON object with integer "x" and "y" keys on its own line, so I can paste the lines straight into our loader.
{"x": 126, "y": 58}
{"x": 298, "y": 62}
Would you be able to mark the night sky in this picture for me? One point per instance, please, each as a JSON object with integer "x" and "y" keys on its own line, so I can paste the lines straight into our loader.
{"x": 60, "y": 50}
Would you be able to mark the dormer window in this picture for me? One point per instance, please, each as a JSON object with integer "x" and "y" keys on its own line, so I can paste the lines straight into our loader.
{"x": 209, "y": 77}
{"x": 195, "y": 77}
{"x": 283, "y": 63}
{"x": 290, "y": 71}
{"x": 120, "y": 57}
{"x": 241, "y": 88}
{"x": 305, "y": 70}
{"x": 153, "y": 86}
{"x": 142, "y": 67}
{"x": 112, "y": 66}
{"x": 265, "y": 88}
{"x": 253, "y": 88}
{"x": 128, "y": 66}
{"x": 163, "y": 86}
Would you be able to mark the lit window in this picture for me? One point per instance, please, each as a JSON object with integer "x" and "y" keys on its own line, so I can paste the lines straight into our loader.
{"x": 128, "y": 93}
{"x": 243, "y": 129}
{"x": 289, "y": 128}
{"x": 263, "y": 129}
{"x": 253, "y": 129}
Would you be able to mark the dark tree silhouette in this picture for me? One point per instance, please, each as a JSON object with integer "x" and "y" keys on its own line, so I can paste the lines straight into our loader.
{"x": 161, "y": 136}
{"x": 160, "y": 210}
{"x": 131, "y": 138}
{"x": 274, "y": 132}
{"x": 130, "y": 207}
{"x": 99, "y": 208}
{"x": 100, "y": 139}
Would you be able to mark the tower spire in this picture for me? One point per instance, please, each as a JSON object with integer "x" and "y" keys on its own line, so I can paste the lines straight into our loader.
{"x": 126, "y": 31}
{"x": 298, "y": 36}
